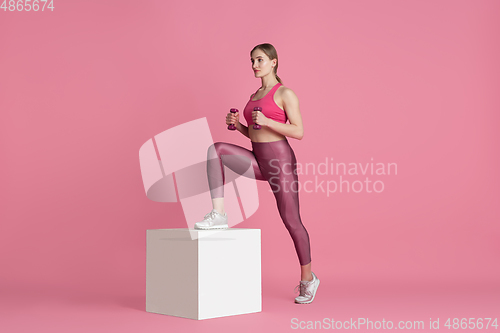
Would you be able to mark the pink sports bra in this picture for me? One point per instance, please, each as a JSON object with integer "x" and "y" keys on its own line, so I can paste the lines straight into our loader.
{"x": 269, "y": 107}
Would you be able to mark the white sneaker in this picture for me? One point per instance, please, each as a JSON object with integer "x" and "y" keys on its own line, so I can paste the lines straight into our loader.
{"x": 307, "y": 290}
{"x": 213, "y": 220}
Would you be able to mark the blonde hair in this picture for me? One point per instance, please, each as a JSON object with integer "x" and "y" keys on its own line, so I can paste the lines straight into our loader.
{"x": 270, "y": 51}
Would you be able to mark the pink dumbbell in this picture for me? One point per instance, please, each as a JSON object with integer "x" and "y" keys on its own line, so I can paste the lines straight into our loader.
{"x": 231, "y": 126}
{"x": 255, "y": 126}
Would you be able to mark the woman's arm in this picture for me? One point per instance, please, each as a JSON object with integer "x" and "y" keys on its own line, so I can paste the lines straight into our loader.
{"x": 243, "y": 129}
{"x": 291, "y": 105}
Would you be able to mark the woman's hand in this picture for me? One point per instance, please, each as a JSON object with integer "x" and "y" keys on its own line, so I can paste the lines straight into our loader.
{"x": 232, "y": 118}
{"x": 259, "y": 118}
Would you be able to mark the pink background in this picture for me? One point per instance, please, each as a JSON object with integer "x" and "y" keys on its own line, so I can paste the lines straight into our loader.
{"x": 409, "y": 82}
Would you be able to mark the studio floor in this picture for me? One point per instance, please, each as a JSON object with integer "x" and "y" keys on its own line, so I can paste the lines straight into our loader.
{"x": 368, "y": 305}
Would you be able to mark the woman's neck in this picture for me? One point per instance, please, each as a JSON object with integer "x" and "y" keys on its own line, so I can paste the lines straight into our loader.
{"x": 269, "y": 83}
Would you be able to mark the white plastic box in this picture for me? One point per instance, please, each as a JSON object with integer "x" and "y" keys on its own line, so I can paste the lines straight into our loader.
{"x": 213, "y": 274}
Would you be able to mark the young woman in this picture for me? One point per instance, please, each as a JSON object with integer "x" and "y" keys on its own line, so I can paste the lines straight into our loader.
{"x": 272, "y": 159}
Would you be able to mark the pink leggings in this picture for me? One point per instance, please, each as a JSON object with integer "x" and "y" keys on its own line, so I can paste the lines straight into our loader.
{"x": 271, "y": 161}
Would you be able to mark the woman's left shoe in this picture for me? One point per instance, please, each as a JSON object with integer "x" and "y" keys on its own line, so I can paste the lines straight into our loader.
{"x": 213, "y": 220}
{"x": 307, "y": 290}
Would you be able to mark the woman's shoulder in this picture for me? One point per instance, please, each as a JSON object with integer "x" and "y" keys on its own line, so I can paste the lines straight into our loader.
{"x": 285, "y": 92}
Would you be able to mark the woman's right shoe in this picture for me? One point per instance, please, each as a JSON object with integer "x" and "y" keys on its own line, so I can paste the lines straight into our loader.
{"x": 213, "y": 220}
{"x": 307, "y": 290}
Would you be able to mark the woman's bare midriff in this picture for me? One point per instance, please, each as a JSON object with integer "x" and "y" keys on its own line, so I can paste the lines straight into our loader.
{"x": 264, "y": 135}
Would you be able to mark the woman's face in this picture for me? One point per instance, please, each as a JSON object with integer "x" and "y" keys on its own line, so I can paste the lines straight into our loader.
{"x": 261, "y": 64}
